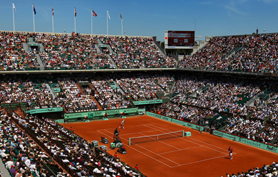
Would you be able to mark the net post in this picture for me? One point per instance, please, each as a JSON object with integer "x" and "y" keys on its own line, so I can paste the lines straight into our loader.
{"x": 129, "y": 141}
{"x": 182, "y": 133}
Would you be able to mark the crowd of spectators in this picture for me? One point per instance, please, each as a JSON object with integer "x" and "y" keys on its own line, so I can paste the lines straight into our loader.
{"x": 76, "y": 51}
{"x": 247, "y": 53}
{"x": 266, "y": 170}
{"x": 12, "y": 54}
{"x": 137, "y": 52}
{"x": 215, "y": 94}
{"x": 72, "y": 52}
{"x": 109, "y": 97}
{"x": 72, "y": 151}
{"x": 140, "y": 87}
{"x": 254, "y": 53}
{"x": 20, "y": 154}
{"x": 213, "y": 55}
{"x": 259, "y": 54}
{"x": 73, "y": 99}
{"x": 182, "y": 112}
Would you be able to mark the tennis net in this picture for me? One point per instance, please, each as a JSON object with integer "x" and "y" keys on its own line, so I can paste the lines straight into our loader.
{"x": 144, "y": 139}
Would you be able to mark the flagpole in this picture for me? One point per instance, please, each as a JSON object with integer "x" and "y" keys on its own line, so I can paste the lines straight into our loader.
{"x": 33, "y": 18}
{"x": 91, "y": 21}
{"x": 52, "y": 21}
{"x": 107, "y": 22}
{"x": 74, "y": 24}
{"x": 122, "y": 27}
{"x": 13, "y": 18}
{"x": 74, "y": 20}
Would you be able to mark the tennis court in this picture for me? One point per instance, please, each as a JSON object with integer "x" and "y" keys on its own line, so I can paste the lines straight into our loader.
{"x": 198, "y": 155}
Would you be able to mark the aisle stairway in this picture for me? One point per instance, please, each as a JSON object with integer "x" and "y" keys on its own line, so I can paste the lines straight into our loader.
{"x": 98, "y": 105}
{"x": 51, "y": 91}
{"x": 96, "y": 92}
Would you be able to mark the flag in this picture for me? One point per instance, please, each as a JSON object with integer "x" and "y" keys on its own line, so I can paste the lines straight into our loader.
{"x": 94, "y": 13}
{"x": 34, "y": 9}
{"x": 121, "y": 15}
{"x": 52, "y": 11}
{"x": 75, "y": 13}
{"x": 14, "y": 7}
{"x": 108, "y": 15}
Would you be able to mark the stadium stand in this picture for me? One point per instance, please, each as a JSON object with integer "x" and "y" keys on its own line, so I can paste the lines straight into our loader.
{"x": 235, "y": 104}
{"x": 248, "y": 53}
{"x": 72, "y": 152}
{"x": 266, "y": 170}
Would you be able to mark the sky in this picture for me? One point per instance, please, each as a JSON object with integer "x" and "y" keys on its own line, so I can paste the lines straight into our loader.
{"x": 144, "y": 17}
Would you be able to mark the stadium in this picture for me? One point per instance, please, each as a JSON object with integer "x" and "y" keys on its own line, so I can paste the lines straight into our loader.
{"x": 93, "y": 105}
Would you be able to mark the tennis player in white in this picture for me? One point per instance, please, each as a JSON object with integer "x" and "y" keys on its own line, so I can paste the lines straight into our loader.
{"x": 122, "y": 124}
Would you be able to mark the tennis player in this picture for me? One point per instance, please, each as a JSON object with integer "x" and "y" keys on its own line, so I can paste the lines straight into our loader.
{"x": 230, "y": 152}
{"x": 116, "y": 132}
{"x": 122, "y": 124}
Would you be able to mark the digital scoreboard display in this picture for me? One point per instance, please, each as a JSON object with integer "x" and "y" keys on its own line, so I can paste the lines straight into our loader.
{"x": 179, "y": 39}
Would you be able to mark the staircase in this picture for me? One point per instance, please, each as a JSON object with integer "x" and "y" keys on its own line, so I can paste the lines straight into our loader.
{"x": 198, "y": 47}
{"x": 118, "y": 87}
{"x": 159, "y": 48}
{"x": 200, "y": 90}
{"x": 40, "y": 61}
{"x": 97, "y": 103}
{"x": 98, "y": 50}
{"x": 233, "y": 52}
{"x": 93, "y": 88}
{"x": 26, "y": 47}
{"x": 41, "y": 48}
{"x": 251, "y": 101}
{"x": 20, "y": 112}
{"x": 79, "y": 87}
{"x": 173, "y": 85}
{"x": 51, "y": 91}
{"x": 99, "y": 41}
{"x": 110, "y": 58}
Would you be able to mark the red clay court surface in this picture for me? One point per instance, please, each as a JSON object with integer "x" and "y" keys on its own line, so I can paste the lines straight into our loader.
{"x": 199, "y": 155}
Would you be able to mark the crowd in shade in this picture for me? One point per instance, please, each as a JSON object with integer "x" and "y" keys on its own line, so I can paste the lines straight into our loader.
{"x": 109, "y": 96}
{"x": 246, "y": 53}
{"x": 21, "y": 154}
{"x": 110, "y": 92}
{"x": 142, "y": 87}
{"x": 74, "y": 151}
{"x": 73, "y": 99}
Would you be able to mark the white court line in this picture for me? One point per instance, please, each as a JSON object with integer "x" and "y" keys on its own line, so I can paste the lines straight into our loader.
{"x": 206, "y": 146}
{"x": 162, "y": 142}
{"x": 136, "y": 132}
{"x": 139, "y": 151}
{"x": 207, "y": 143}
{"x": 199, "y": 161}
{"x": 180, "y": 150}
{"x": 150, "y": 151}
{"x": 162, "y": 129}
{"x": 114, "y": 128}
{"x": 193, "y": 139}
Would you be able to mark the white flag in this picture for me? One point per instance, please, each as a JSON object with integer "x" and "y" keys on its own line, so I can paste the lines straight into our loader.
{"x": 14, "y": 7}
{"x": 108, "y": 15}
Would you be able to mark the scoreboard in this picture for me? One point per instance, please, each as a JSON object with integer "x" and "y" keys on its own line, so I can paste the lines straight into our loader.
{"x": 179, "y": 39}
